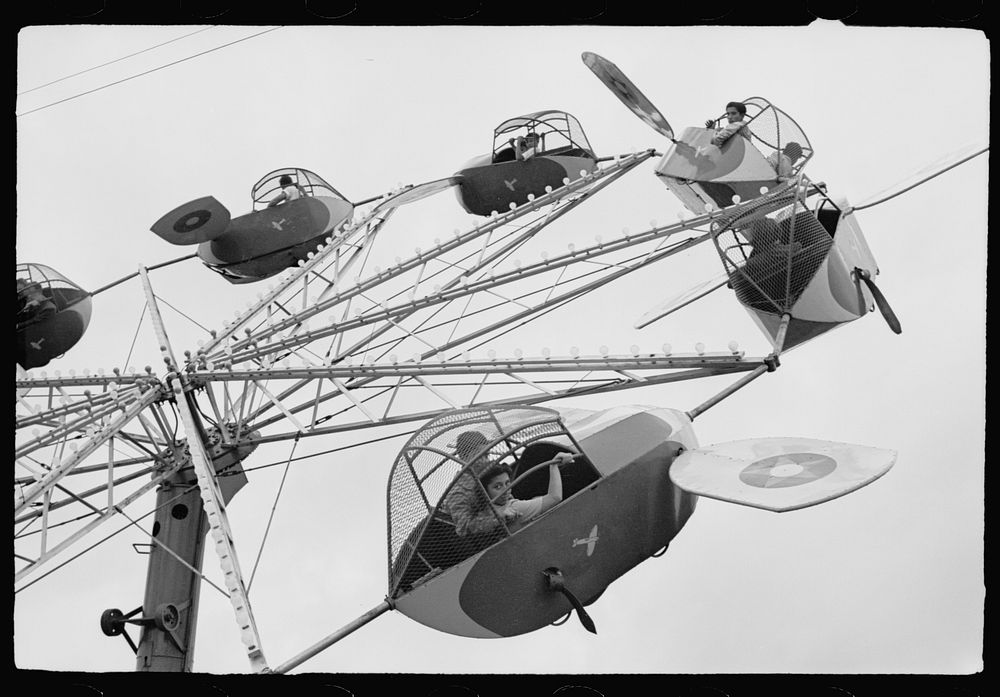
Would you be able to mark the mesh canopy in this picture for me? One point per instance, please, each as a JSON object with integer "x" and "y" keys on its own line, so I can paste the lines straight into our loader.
{"x": 771, "y": 251}
{"x": 269, "y": 185}
{"x": 556, "y": 128}
{"x": 44, "y": 276}
{"x": 773, "y": 131}
{"x": 438, "y": 467}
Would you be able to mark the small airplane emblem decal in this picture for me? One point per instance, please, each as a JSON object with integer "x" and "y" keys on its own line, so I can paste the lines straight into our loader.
{"x": 510, "y": 184}
{"x": 37, "y": 345}
{"x": 590, "y": 541}
{"x": 276, "y": 224}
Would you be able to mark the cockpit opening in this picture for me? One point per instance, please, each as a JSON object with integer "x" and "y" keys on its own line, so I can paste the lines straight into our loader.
{"x": 541, "y": 133}
{"x": 42, "y": 292}
{"x": 307, "y": 183}
{"x": 772, "y": 251}
{"x": 706, "y": 172}
{"x": 440, "y": 512}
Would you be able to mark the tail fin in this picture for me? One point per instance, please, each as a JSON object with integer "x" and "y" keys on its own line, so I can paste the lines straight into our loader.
{"x": 193, "y": 223}
{"x": 779, "y": 474}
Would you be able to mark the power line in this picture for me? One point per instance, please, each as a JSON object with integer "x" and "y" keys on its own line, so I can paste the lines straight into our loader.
{"x": 114, "y": 61}
{"x": 147, "y": 72}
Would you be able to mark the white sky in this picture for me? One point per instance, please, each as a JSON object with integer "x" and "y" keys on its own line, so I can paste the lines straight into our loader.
{"x": 886, "y": 580}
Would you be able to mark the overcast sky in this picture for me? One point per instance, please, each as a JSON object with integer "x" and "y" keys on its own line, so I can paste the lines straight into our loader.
{"x": 888, "y": 579}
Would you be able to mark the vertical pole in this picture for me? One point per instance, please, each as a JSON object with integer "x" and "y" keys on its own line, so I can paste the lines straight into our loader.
{"x": 180, "y": 526}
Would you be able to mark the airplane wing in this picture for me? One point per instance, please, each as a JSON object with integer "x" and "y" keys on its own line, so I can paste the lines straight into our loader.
{"x": 932, "y": 170}
{"x": 616, "y": 81}
{"x": 686, "y": 298}
{"x": 417, "y": 192}
{"x": 779, "y": 474}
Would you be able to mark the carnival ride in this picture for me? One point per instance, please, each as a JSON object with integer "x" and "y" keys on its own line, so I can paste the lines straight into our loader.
{"x": 269, "y": 239}
{"x": 506, "y": 175}
{"x": 52, "y": 315}
{"x": 338, "y": 346}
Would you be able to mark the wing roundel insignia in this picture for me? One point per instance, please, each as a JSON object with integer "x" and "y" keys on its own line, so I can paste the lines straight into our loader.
{"x": 791, "y": 469}
{"x": 195, "y": 222}
{"x": 192, "y": 221}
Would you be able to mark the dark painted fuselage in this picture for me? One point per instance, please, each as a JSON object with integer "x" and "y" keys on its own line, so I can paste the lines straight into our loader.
{"x": 493, "y": 187}
{"x": 592, "y": 537}
{"x": 46, "y": 335}
{"x": 266, "y": 242}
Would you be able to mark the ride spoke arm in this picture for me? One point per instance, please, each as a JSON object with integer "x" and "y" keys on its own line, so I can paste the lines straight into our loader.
{"x": 483, "y": 261}
{"x": 108, "y": 431}
{"x": 575, "y": 391}
{"x": 108, "y": 513}
{"x": 656, "y": 369}
{"x": 363, "y": 226}
{"x": 212, "y": 500}
{"x": 380, "y": 314}
{"x": 67, "y": 428}
{"x": 592, "y": 181}
{"x": 93, "y": 491}
{"x": 507, "y": 322}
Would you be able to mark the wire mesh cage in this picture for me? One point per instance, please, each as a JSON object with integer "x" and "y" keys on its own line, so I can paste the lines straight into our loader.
{"x": 777, "y": 135}
{"x": 772, "y": 250}
{"x": 43, "y": 291}
{"x": 310, "y": 183}
{"x": 560, "y": 133}
{"x": 438, "y": 510}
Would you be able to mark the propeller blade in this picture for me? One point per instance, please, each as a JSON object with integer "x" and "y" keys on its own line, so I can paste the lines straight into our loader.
{"x": 883, "y": 304}
{"x": 615, "y": 80}
{"x": 557, "y": 582}
{"x": 585, "y": 620}
{"x": 939, "y": 167}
